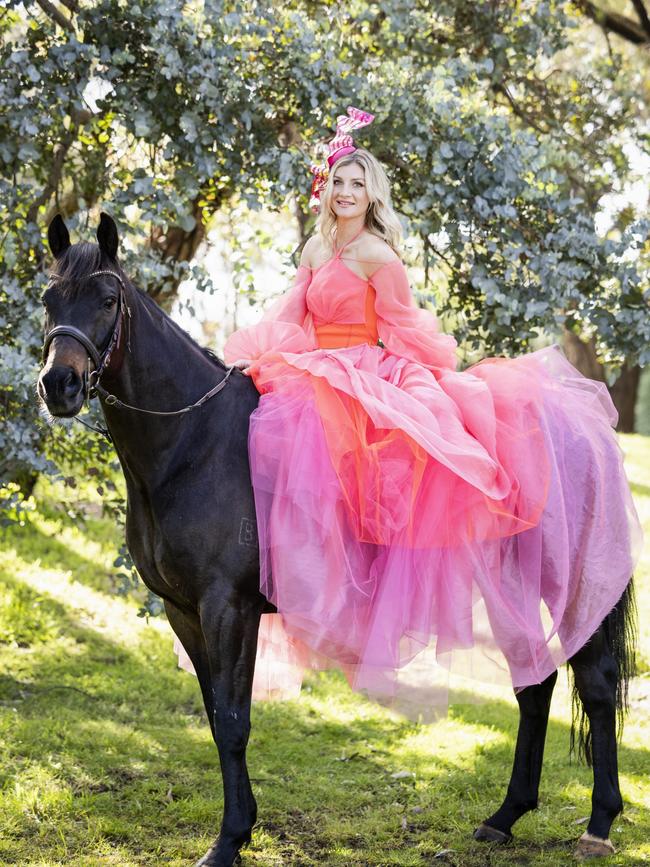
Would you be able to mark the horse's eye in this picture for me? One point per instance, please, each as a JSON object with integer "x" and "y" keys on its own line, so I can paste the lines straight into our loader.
{"x": 109, "y": 303}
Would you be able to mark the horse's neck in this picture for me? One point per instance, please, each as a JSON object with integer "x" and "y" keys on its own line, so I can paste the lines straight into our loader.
{"x": 162, "y": 370}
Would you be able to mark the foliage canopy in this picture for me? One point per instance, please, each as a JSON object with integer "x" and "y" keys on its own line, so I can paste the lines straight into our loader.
{"x": 499, "y": 142}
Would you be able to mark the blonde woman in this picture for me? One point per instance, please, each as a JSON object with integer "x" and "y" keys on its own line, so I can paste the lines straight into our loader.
{"x": 394, "y": 494}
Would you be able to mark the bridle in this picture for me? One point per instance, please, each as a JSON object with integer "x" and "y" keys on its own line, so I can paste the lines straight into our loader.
{"x": 110, "y": 360}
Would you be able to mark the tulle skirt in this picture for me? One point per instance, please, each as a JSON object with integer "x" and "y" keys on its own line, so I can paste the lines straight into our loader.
{"x": 409, "y": 517}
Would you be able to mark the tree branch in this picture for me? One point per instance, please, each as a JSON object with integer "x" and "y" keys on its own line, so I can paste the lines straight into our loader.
{"x": 60, "y": 153}
{"x": 442, "y": 256}
{"x": 501, "y": 88}
{"x": 618, "y": 24}
{"x": 52, "y": 12}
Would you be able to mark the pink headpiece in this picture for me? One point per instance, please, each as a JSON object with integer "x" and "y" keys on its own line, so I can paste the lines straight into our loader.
{"x": 341, "y": 145}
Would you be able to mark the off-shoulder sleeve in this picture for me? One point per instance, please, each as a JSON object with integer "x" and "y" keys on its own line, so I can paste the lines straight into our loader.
{"x": 404, "y": 328}
{"x": 285, "y": 327}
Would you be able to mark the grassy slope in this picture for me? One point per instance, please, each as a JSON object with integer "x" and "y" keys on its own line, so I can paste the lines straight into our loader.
{"x": 105, "y": 758}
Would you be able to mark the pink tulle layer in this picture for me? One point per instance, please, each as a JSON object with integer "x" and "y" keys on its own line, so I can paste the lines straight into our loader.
{"x": 408, "y": 516}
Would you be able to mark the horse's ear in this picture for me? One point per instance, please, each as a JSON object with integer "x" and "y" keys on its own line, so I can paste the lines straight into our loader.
{"x": 58, "y": 236}
{"x": 107, "y": 236}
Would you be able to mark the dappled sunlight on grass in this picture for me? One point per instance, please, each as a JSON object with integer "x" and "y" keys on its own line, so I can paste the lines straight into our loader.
{"x": 39, "y": 793}
{"x": 450, "y": 742}
{"x": 106, "y": 757}
{"x": 87, "y": 547}
{"x": 108, "y": 615}
{"x": 635, "y": 789}
{"x": 114, "y": 737}
{"x": 58, "y": 544}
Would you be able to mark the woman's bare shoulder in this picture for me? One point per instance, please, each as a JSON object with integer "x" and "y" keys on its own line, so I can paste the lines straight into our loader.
{"x": 312, "y": 252}
{"x": 375, "y": 252}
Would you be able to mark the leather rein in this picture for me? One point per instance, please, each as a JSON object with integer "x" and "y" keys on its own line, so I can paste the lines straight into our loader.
{"x": 110, "y": 360}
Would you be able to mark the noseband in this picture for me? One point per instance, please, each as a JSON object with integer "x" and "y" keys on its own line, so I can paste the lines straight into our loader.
{"x": 108, "y": 361}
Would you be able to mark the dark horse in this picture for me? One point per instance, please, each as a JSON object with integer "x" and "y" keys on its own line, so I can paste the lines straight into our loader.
{"x": 191, "y": 519}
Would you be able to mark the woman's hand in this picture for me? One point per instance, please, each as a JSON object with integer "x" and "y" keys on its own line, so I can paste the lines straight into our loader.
{"x": 243, "y": 364}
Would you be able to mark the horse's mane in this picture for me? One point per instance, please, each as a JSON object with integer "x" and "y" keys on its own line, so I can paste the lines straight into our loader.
{"x": 81, "y": 259}
{"x": 157, "y": 310}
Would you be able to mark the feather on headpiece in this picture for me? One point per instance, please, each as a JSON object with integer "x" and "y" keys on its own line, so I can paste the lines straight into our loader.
{"x": 341, "y": 145}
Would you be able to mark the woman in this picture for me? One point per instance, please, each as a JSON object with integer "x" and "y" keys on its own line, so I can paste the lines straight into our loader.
{"x": 402, "y": 505}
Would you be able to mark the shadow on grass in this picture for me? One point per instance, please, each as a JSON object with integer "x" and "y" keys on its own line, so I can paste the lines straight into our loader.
{"x": 110, "y": 747}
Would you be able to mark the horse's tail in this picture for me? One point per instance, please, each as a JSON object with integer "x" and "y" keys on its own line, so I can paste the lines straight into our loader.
{"x": 620, "y": 627}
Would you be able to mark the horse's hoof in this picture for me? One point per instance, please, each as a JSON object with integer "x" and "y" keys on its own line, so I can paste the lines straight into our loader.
{"x": 485, "y": 834}
{"x": 593, "y": 847}
{"x": 213, "y": 859}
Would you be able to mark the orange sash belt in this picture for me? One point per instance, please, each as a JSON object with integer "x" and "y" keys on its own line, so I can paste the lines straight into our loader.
{"x": 334, "y": 335}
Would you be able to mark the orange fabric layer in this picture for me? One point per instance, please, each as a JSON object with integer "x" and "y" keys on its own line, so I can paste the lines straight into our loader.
{"x": 336, "y": 336}
{"x": 333, "y": 335}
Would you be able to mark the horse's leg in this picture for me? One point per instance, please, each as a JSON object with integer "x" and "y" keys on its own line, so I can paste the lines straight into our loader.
{"x": 230, "y": 625}
{"x": 534, "y": 705}
{"x": 222, "y": 668}
{"x": 596, "y": 673}
{"x": 188, "y": 629}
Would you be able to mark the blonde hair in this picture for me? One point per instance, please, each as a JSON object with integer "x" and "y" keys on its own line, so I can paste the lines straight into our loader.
{"x": 381, "y": 219}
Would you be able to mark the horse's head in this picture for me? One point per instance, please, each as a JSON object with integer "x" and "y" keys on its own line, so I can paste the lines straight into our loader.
{"x": 83, "y": 302}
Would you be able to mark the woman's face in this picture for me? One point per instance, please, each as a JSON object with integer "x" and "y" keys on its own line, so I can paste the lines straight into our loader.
{"x": 349, "y": 195}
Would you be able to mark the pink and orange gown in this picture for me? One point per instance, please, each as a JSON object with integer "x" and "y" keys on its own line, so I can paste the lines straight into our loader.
{"x": 407, "y": 511}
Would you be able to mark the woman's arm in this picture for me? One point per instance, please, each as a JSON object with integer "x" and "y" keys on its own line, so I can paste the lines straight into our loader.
{"x": 285, "y": 327}
{"x": 403, "y": 327}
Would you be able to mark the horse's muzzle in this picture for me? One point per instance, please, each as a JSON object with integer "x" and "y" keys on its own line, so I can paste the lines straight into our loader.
{"x": 62, "y": 390}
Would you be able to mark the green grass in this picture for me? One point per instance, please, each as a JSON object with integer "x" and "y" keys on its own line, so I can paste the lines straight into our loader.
{"x": 106, "y": 759}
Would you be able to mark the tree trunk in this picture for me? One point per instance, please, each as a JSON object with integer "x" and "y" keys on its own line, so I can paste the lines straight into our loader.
{"x": 180, "y": 246}
{"x": 583, "y": 356}
{"x": 623, "y": 392}
{"x": 302, "y": 219}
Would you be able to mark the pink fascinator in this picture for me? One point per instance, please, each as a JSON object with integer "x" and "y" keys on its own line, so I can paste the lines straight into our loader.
{"x": 341, "y": 145}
